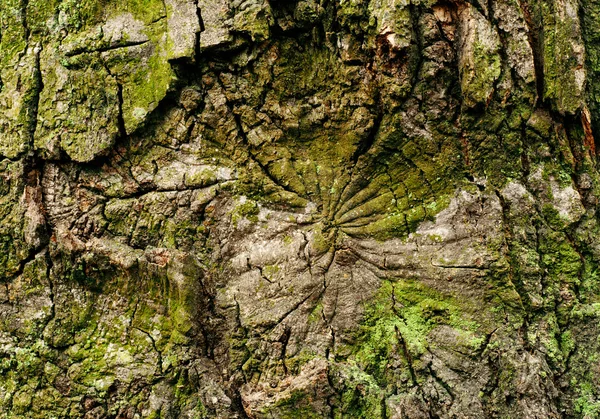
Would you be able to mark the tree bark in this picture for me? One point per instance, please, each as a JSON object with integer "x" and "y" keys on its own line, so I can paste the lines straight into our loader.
{"x": 314, "y": 208}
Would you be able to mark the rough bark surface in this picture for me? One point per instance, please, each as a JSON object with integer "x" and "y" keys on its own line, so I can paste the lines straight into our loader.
{"x": 299, "y": 209}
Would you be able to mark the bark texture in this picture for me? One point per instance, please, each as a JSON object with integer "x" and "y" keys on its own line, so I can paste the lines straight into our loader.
{"x": 299, "y": 209}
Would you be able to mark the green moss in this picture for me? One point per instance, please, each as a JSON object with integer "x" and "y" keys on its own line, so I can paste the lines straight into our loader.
{"x": 552, "y": 216}
{"x": 146, "y": 77}
{"x": 358, "y": 394}
{"x": 270, "y": 271}
{"x": 248, "y": 210}
{"x": 295, "y": 363}
{"x": 147, "y": 10}
{"x": 180, "y": 234}
{"x": 82, "y": 13}
{"x": 255, "y": 20}
{"x": 591, "y": 33}
{"x": 297, "y": 406}
{"x": 561, "y": 259}
{"x": 561, "y": 58}
{"x": 316, "y": 315}
{"x": 402, "y": 314}
{"x": 206, "y": 177}
{"x": 478, "y": 82}
{"x": 321, "y": 242}
{"x": 587, "y": 404}
{"x": 352, "y": 8}
{"x": 19, "y": 74}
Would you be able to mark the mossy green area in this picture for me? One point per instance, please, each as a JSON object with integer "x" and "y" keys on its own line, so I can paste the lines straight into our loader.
{"x": 143, "y": 340}
{"x": 13, "y": 247}
{"x": 83, "y": 14}
{"x": 248, "y": 210}
{"x": 297, "y": 406}
{"x": 397, "y": 323}
{"x": 368, "y": 176}
{"x": 359, "y": 395}
{"x": 562, "y": 62}
{"x": 108, "y": 72}
{"x": 591, "y": 36}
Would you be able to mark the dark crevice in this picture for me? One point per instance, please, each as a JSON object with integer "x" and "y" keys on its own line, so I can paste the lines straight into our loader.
{"x": 490, "y": 8}
{"x": 477, "y": 6}
{"x": 535, "y": 36}
{"x": 37, "y": 89}
{"x": 418, "y": 48}
{"x": 34, "y": 195}
{"x": 251, "y": 156}
{"x": 285, "y": 339}
{"x": 407, "y": 356}
{"x": 158, "y": 352}
{"x": 405, "y": 351}
{"x": 120, "y": 118}
{"x": 197, "y": 49}
{"x": 285, "y": 315}
{"x": 508, "y": 251}
{"x": 441, "y": 382}
{"x": 76, "y": 52}
{"x": 24, "y": 4}
{"x": 365, "y": 145}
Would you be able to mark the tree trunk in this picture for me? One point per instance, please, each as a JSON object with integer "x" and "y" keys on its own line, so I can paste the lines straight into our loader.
{"x": 299, "y": 209}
